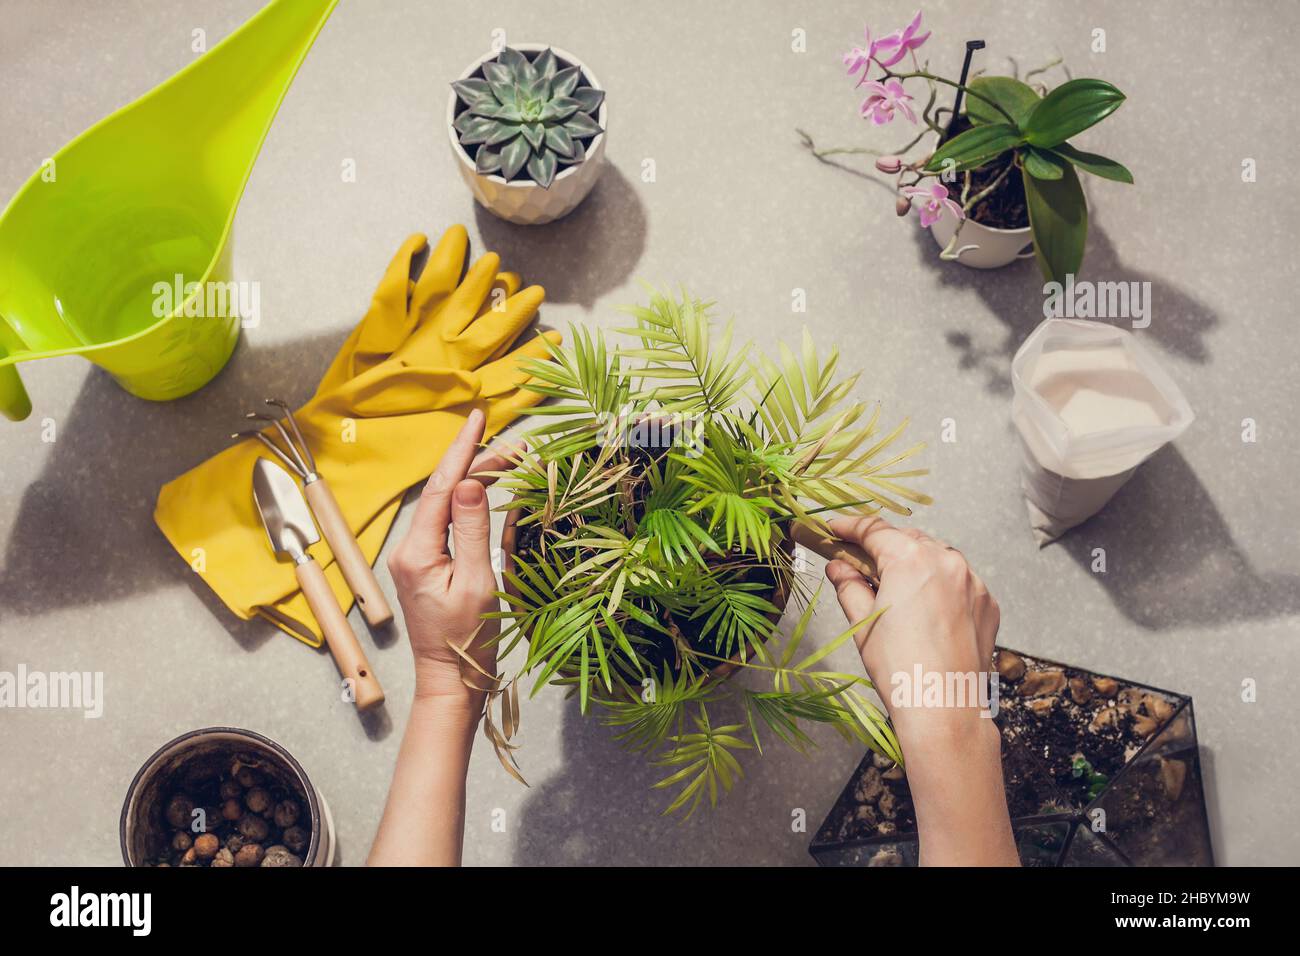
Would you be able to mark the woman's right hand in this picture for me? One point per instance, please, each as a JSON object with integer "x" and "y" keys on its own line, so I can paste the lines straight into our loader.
{"x": 939, "y": 617}
{"x": 939, "y": 613}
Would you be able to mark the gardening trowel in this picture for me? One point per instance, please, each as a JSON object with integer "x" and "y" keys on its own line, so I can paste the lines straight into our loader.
{"x": 291, "y": 529}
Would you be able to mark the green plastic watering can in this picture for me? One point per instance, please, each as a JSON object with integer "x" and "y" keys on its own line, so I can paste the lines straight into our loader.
{"x": 118, "y": 248}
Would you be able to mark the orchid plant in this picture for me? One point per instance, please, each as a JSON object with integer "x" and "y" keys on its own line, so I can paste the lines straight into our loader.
{"x": 1014, "y": 134}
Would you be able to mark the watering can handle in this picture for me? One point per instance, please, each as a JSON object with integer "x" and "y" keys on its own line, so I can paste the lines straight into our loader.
{"x": 14, "y": 403}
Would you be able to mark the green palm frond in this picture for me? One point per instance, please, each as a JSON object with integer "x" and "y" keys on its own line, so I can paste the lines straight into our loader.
{"x": 590, "y": 388}
{"x": 647, "y": 719}
{"x": 677, "y": 345}
{"x": 737, "y": 617}
{"x": 704, "y": 762}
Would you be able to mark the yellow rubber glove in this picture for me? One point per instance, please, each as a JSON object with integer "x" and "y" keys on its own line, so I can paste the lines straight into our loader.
{"x": 396, "y": 394}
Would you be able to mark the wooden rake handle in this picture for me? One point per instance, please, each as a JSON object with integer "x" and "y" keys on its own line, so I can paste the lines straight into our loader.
{"x": 347, "y": 553}
{"x": 837, "y": 549}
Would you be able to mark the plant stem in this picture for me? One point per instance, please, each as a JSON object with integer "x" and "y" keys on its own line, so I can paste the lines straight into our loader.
{"x": 836, "y": 150}
{"x": 967, "y": 206}
{"x": 954, "y": 84}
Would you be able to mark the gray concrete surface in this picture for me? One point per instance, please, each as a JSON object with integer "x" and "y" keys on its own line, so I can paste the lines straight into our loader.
{"x": 1201, "y": 590}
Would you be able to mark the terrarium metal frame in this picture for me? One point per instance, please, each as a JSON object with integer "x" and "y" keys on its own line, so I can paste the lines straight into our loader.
{"x": 1070, "y": 837}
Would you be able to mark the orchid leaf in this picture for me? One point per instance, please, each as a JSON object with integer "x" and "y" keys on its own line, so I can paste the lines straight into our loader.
{"x": 1093, "y": 163}
{"x": 1070, "y": 109}
{"x": 1018, "y": 99}
{"x": 1058, "y": 218}
{"x": 975, "y": 147}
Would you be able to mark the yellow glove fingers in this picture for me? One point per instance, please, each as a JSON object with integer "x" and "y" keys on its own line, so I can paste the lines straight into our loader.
{"x": 503, "y": 409}
{"x": 385, "y": 324}
{"x": 398, "y": 389}
{"x": 491, "y": 336}
{"x": 466, "y": 301}
{"x": 441, "y": 272}
{"x": 504, "y": 375}
{"x": 504, "y": 286}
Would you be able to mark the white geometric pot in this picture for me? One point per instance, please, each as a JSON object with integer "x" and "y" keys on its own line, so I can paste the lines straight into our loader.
{"x": 988, "y": 248}
{"x": 522, "y": 201}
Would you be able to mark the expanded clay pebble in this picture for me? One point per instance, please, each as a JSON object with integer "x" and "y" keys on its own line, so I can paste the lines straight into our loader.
{"x": 179, "y": 808}
{"x": 295, "y": 838}
{"x": 206, "y": 846}
{"x": 249, "y": 855}
{"x": 223, "y": 859}
{"x": 257, "y": 800}
{"x": 286, "y": 813}
{"x": 254, "y": 827}
{"x": 279, "y": 856}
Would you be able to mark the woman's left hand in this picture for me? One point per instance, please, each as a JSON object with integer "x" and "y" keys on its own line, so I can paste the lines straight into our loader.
{"x": 444, "y": 591}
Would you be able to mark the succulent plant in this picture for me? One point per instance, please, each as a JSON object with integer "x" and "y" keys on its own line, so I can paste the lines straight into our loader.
{"x": 526, "y": 115}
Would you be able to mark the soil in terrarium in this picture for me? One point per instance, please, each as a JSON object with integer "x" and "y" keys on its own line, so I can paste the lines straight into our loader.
{"x": 1005, "y": 207}
{"x": 1155, "y": 814}
{"x": 655, "y": 647}
{"x": 1079, "y": 727}
{"x": 1066, "y": 734}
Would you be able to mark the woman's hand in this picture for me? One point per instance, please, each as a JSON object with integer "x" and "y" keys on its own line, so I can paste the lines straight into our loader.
{"x": 445, "y": 591}
{"x": 938, "y": 616}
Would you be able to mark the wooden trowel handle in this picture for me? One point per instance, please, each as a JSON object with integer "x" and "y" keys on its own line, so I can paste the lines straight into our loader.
{"x": 356, "y": 569}
{"x": 837, "y": 549}
{"x": 342, "y": 642}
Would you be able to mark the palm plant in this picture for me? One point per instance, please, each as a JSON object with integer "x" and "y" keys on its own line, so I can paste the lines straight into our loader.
{"x": 653, "y": 515}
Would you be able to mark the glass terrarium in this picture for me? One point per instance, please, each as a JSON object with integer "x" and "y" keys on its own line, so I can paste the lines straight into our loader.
{"x": 1099, "y": 771}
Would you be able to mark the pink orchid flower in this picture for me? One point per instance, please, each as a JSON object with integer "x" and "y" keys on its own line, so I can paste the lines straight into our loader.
{"x": 885, "y": 51}
{"x": 934, "y": 201}
{"x": 860, "y": 57}
{"x": 902, "y": 42}
{"x": 884, "y": 99}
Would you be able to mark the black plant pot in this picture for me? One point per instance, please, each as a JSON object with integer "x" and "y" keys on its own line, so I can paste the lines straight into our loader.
{"x": 1148, "y": 811}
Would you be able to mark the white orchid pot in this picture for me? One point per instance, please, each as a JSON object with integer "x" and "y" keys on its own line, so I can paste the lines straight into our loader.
{"x": 983, "y": 247}
{"x": 523, "y": 201}
{"x": 142, "y": 830}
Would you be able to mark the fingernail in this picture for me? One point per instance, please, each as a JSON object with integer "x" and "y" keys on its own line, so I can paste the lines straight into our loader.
{"x": 469, "y": 493}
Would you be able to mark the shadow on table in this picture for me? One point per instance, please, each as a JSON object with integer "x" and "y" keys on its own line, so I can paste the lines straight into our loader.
{"x": 599, "y": 807}
{"x": 1171, "y": 559}
{"x": 1179, "y": 321}
{"x": 582, "y": 256}
{"x": 84, "y": 532}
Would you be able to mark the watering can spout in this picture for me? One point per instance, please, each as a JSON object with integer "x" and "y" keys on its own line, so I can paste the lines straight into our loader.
{"x": 118, "y": 248}
{"x": 238, "y": 86}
